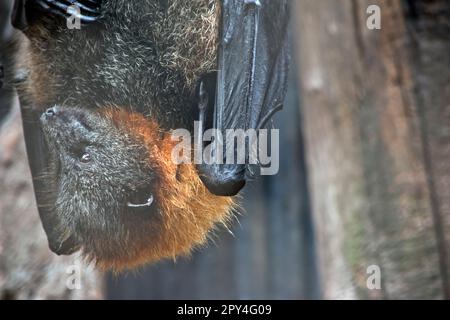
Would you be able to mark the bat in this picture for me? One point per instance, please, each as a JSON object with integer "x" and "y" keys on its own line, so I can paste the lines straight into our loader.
{"x": 99, "y": 105}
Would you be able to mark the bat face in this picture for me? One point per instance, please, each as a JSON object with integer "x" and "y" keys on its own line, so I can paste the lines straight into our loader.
{"x": 116, "y": 193}
{"x": 99, "y": 171}
{"x": 97, "y": 178}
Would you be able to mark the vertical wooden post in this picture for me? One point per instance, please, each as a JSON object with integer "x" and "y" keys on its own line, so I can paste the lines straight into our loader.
{"x": 376, "y": 118}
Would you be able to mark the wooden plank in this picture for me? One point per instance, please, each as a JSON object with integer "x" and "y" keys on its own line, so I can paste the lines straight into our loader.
{"x": 365, "y": 155}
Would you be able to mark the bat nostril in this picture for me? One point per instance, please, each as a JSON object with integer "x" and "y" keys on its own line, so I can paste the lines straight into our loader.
{"x": 50, "y": 112}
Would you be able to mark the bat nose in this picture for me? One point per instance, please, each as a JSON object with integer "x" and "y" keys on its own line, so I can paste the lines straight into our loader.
{"x": 50, "y": 112}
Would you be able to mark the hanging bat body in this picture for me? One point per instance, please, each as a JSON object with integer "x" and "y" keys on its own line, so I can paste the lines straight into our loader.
{"x": 99, "y": 105}
{"x": 117, "y": 194}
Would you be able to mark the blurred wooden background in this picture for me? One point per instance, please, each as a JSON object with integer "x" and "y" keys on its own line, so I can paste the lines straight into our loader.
{"x": 376, "y": 110}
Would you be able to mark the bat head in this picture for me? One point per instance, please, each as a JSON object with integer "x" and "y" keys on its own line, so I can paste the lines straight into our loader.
{"x": 91, "y": 153}
{"x": 117, "y": 194}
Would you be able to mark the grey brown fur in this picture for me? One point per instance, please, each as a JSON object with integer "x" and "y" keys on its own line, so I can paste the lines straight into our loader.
{"x": 90, "y": 199}
{"x": 144, "y": 55}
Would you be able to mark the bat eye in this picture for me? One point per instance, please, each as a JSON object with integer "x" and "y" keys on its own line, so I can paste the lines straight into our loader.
{"x": 85, "y": 157}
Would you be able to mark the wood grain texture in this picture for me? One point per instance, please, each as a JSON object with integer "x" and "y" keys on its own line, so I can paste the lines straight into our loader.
{"x": 368, "y": 145}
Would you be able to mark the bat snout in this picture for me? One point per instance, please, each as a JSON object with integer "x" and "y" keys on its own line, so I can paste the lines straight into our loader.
{"x": 49, "y": 114}
{"x": 61, "y": 118}
{"x": 53, "y": 116}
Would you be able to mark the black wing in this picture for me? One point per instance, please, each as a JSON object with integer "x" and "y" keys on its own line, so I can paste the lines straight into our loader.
{"x": 251, "y": 79}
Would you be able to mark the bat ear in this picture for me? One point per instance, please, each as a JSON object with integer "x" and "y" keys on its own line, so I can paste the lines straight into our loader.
{"x": 19, "y": 18}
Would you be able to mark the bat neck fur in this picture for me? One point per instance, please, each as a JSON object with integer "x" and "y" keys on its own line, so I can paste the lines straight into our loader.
{"x": 188, "y": 210}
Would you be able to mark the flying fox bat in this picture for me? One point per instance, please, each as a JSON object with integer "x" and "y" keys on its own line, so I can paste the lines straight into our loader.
{"x": 99, "y": 104}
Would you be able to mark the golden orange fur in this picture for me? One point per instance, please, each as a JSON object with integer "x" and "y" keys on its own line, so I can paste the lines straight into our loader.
{"x": 188, "y": 210}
